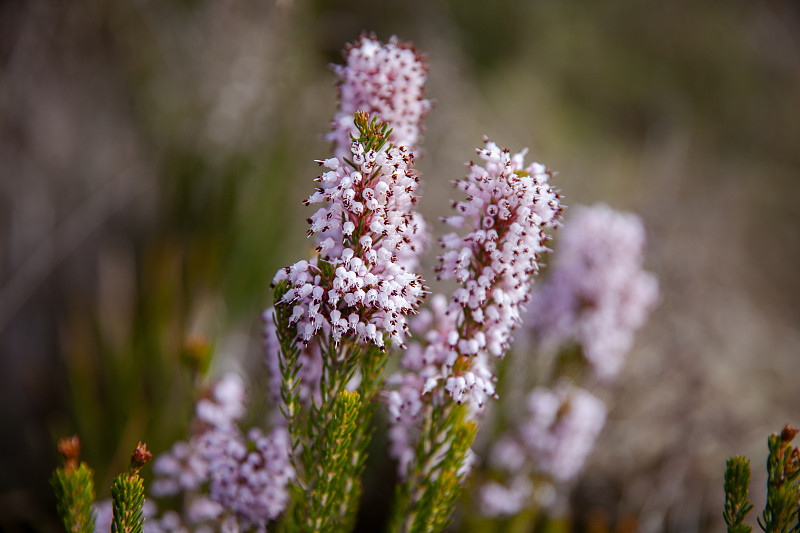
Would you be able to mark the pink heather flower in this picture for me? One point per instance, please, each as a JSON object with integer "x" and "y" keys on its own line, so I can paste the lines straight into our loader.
{"x": 247, "y": 478}
{"x": 561, "y": 431}
{"x": 365, "y": 225}
{"x": 179, "y": 470}
{"x": 182, "y": 469}
{"x": 508, "y": 454}
{"x": 597, "y": 292}
{"x": 226, "y": 404}
{"x": 499, "y": 501}
{"x": 385, "y": 80}
{"x": 507, "y": 210}
{"x": 251, "y": 476}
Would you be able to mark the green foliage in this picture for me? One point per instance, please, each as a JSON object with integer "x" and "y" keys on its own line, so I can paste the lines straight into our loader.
{"x": 783, "y": 488}
{"x": 73, "y": 485}
{"x": 330, "y": 436}
{"x": 290, "y": 399}
{"x": 737, "y": 482}
{"x": 783, "y": 484}
{"x": 127, "y": 495}
{"x": 373, "y": 134}
{"x": 326, "y": 462}
{"x": 426, "y": 500}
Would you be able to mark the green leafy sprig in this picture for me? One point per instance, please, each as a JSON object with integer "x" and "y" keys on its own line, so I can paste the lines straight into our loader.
{"x": 127, "y": 494}
{"x": 781, "y": 513}
{"x": 372, "y": 133}
{"x": 425, "y": 502}
{"x": 330, "y": 436}
{"x": 73, "y": 485}
{"x": 737, "y": 483}
{"x": 783, "y": 484}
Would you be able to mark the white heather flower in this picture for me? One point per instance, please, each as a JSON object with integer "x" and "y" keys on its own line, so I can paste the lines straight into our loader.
{"x": 385, "y": 80}
{"x": 404, "y": 402}
{"x": 203, "y": 509}
{"x": 169, "y": 522}
{"x": 562, "y": 428}
{"x": 498, "y": 501}
{"x": 507, "y": 210}
{"x": 365, "y": 226}
{"x": 597, "y": 292}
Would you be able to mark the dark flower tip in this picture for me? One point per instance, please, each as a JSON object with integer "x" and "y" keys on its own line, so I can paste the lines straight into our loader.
{"x": 140, "y": 457}
{"x": 788, "y": 434}
{"x": 70, "y": 449}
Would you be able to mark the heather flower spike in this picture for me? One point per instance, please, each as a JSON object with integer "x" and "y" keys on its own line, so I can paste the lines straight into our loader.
{"x": 361, "y": 283}
{"x": 335, "y": 315}
{"x": 385, "y": 81}
{"x": 597, "y": 293}
{"x": 445, "y": 384}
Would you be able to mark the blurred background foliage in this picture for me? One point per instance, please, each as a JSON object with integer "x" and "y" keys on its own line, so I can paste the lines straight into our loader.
{"x": 153, "y": 157}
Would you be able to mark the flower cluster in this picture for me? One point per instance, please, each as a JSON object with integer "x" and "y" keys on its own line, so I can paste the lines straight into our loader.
{"x": 554, "y": 441}
{"x": 184, "y": 468}
{"x": 597, "y": 293}
{"x": 507, "y": 210}
{"x": 563, "y": 426}
{"x": 340, "y": 309}
{"x": 247, "y": 477}
{"x": 359, "y": 285}
{"x": 384, "y": 80}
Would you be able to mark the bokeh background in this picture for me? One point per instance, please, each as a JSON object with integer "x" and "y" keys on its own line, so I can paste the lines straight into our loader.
{"x": 154, "y": 154}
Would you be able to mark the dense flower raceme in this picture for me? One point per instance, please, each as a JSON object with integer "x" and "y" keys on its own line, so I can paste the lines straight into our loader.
{"x": 384, "y": 80}
{"x": 507, "y": 210}
{"x": 359, "y": 285}
{"x": 596, "y": 293}
{"x": 553, "y": 441}
{"x": 247, "y": 476}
